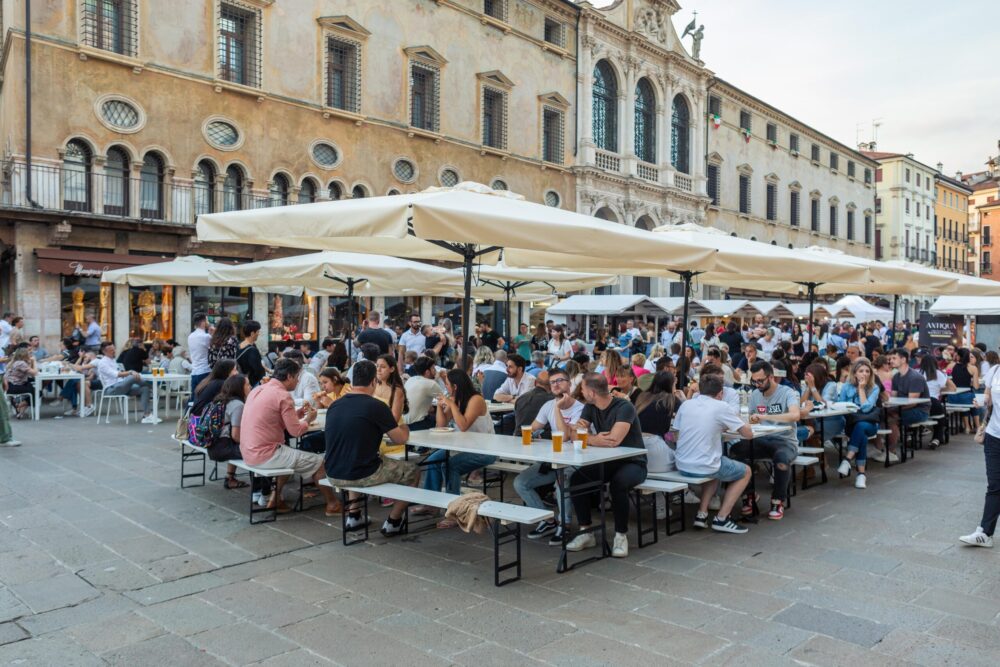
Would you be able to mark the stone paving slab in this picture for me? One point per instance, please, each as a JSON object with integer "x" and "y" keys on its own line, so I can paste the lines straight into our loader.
{"x": 104, "y": 560}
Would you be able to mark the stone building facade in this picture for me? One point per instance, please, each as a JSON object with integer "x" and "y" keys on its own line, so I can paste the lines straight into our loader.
{"x": 146, "y": 114}
{"x": 951, "y": 225}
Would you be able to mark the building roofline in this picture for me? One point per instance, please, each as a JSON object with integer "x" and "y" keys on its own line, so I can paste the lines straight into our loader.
{"x": 953, "y": 183}
{"x": 845, "y": 147}
{"x": 893, "y": 156}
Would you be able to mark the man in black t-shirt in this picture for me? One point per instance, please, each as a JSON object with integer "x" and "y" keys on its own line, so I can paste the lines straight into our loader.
{"x": 134, "y": 358}
{"x": 612, "y": 422}
{"x": 355, "y": 424}
{"x": 374, "y": 333}
{"x": 489, "y": 337}
{"x": 906, "y": 383}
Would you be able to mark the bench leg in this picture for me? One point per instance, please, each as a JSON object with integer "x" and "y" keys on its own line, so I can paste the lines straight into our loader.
{"x": 505, "y": 535}
{"x": 496, "y": 481}
{"x": 681, "y": 520}
{"x": 350, "y": 506}
{"x": 188, "y": 456}
{"x": 639, "y": 501}
{"x": 270, "y": 514}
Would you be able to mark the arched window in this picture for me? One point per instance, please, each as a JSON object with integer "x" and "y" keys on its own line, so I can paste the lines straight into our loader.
{"x": 307, "y": 193}
{"x": 278, "y": 192}
{"x": 335, "y": 190}
{"x": 76, "y": 176}
{"x": 606, "y": 214}
{"x": 605, "y": 107}
{"x": 645, "y": 121}
{"x": 680, "y": 136}
{"x": 232, "y": 189}
{"x": 116, "y": 183}
{"x": 151, "y": 187}
{"x": 204, "y": 188}
{"x": 359, "y": 192}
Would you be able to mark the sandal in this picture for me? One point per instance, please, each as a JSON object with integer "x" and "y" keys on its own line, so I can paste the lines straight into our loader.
{"x": 231, "y": 483}
{"x": 445, "y": 524}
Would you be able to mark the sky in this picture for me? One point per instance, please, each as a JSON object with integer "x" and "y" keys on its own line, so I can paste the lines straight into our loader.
{"x": 930, "y": 71}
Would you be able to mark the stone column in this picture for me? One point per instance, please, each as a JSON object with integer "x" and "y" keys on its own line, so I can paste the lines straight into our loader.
{"x": 120, "y": 314}
{"x": 182, "y": 313}
{"x": 260, "y": 314}
{"x": 585, "y": 83}
{"x": 698, "y": 145}
{"x": 626, "y": 106}
{"x": 426, "y": 309}
{"x": 323, "y": 318}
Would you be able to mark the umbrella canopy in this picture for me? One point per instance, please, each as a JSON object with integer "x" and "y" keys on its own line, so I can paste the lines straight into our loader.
{"x": 966, "y": 305}
{"x": 189, "y": 270}
{"x": 967, "y": 285}
{"x": 537, "y": 280}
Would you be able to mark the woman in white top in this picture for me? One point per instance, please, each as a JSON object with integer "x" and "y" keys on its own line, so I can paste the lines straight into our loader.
{"x": 483, "y": 361}
{"x": 560, "y": 350}
{"x": 983, "y": 535}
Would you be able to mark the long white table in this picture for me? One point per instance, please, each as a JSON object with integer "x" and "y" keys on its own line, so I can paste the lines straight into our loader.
{"x": 539, "y": 451}
{"x": 759, "y": 431}
{"x": 156, "y": 380}
{"x": 906, "y": 402}
{"x": 44, "y": 377}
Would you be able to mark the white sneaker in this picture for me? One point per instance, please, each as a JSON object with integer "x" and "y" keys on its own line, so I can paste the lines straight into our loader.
{"x": 88, "y": 410}
{"x": 150, "y": 419}
{"x": 691, "y": 499}
{"x": 620, "y": 547}
{"x": 876, "y": 454}
{"x": 977, "y": 539}
{"x": 11, "y": 443}
{"x": 69, "y": 413}
{"x": 265, "y": 498}
{"x": 893, "y": 457}
{"x": 581, "y": 542}
{"x": 845, "y": 468}
{"x": 387, "y": 528}
{"x": 256, "y": 497}
{"x": 661, "y": 507}
{"x": 714, "y": 503}
{"x": 861, "y": 481}
{"x": 828, "y": 444}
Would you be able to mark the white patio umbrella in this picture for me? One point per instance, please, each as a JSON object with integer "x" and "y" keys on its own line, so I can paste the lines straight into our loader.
{"x": 470, "y": 223}
{"x": 186, "y": 271}
{"x": 967, "y": 285}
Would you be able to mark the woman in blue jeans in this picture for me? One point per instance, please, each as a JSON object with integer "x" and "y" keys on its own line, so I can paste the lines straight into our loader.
{"x": 861, "y": 390}
{"x": 464, "y": 408}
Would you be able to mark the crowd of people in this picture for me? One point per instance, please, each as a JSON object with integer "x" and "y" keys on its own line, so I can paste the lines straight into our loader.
{"x": 691, "y": 412}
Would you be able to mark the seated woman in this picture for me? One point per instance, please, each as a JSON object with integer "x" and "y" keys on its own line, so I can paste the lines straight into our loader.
{"x": 465, "y": 408}
{"x": 226, "y": 447}
{"x": 332, "y": 386}
{"x": 19, "y": 379}
{"x": 862, "y": 390}
{"x": 936, "y": 381}
{"x": 821, "y": 389}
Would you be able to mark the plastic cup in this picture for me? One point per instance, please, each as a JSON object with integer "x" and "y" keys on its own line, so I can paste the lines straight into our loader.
{"x": 557, "y": 439}
{"x": 525, "y": 435}
{"x": 581, "y": 435}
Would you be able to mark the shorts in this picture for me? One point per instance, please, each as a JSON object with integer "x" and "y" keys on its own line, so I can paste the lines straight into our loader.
{"x": 390, "y": 472}
{"x": 729, "y": 471}
{"x": 303, "y": 463}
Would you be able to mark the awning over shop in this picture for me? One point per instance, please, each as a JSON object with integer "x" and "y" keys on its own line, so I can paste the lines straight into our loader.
{"x": 88, "y": 264}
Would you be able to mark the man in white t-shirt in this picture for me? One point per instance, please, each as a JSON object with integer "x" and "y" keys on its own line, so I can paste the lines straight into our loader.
{"x": 412, "y": 339}
{"x": 123, "y": 383}
{"x": 318, "y": 361}
{"x": 198, "y": 341}
{"x": 632, "y": 330}
{"x": 700, "y": 423}
{"x": 421, "y": 389}
{"x": 526, "y": 483}
{"x": 6, "y": 328}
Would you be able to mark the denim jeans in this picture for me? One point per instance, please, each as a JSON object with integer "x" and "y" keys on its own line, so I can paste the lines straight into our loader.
{"x": 458, "y": 465}
{"x": 991, "y": 508}
{"x": 527, "y": 481}
{"x": 623, "y": 476}
{"x": 859, "y": 440}
{"x": 833, "y": 426}
{"x": 780, "y": 453}
{"x": 71, "y": 392}
{"x": 130, "y": 386}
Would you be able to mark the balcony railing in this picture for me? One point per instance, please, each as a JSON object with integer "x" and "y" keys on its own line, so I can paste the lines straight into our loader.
{"x": 82, "y": 192}
{"x": 608, "y": 161}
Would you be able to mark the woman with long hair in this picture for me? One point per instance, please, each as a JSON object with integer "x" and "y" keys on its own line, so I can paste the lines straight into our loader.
{"x": 821, "y": 389}
{"x": 19, "y": 378}
{"x": 338, "y": 358}
{"x": 226, "y": 447}
{"x": 798, "y": 348}
{"x": 862, "y": 390}
{"x": 936, "y": 382}
{"x": 333, "y": 385}
{"x": 389, "y": 386}
{"x": 559, "y": 350}
{"x": 883, "y": 373}
{"x": 463, "y": 408}
{"x": 965, "y": 374}
{"x": 212, "y": 385}
{"x": 248, "y": 358}
{"x": 611, "y": 363}
{"x": 223, "y": 344}
{"x": 601, "y": 344}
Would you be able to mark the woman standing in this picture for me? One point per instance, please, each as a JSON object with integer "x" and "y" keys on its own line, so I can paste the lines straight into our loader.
{"x": 983, "y": 535}
{"x": 560, "y": 351}
{"x": 223, "y": 344}
{"x": 861, "y": 390}
{"x": 611, "y": 363}
{"x": 798, "y": 347}
{"x": 248, "y": 356}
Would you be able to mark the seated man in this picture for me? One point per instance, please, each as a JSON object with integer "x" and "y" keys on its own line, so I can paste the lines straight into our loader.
{"x": 906, "y": 383}
{"x": 539, "y": 474}
{"x": 123, "y": 383}
{"x": 614, "y": 423}
{"x": 421, "y": 389}
{"x": 518, "y": 382}
{"x": 700, "y": 422}
{"x": 355, "y": 424}
{"x": 537, "y": 363}
{"x": 268, "y": 413}
{"x": 308, "y": 385}
{"x": 529, "y": 405}
{"x": 771, "y": 403}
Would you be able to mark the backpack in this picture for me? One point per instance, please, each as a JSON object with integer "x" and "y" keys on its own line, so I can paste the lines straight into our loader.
{"x": 208, "y": 428}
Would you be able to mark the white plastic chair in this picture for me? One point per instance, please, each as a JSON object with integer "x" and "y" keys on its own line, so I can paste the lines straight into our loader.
{"x": 121, "y": 401}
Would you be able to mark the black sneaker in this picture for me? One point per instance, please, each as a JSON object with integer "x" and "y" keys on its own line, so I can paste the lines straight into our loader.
{"x": 541, "y": 530}
{"x": 727, "y": 525}
{"x": 557, "y": 537}
{"x": 700, "y": 520}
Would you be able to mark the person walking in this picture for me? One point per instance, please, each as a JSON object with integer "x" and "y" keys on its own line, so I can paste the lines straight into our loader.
{"x": 6, "y": 434}
{"x": 982, "y": 536}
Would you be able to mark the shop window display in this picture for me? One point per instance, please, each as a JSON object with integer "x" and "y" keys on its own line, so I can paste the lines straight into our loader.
{"x": 81, "y": 296}
{"x": 217, "y": 302}
{"x": 151, "y": 312}
{"x": 292, "y": 317}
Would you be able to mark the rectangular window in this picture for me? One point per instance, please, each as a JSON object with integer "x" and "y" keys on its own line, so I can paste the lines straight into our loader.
{"x": 239, "y": 44}
{"x": 793, "y": 143}
{"x": 868, "y": 176}
{"x": 494, "y": 118}
{"x": 150, "y": 312}
{"x": 555, "y": 33}
{"x": 907, "y": 175}
{"x": 110, "y": 25}
{"x": 218, "y": 302}
{"x": 772, "y": 133}
{"x": 495, "y": 8}
{"x": 833, "y": 220}
{"x": 552, "y": 135}
{"x": 850, "y": 225}
{"x": 986, "y": 236}
{"x": 868, "y": 229}
{"x": 772, "y": 201}
{"x": 793, "y": 206}
{"x": 878, "y": 204}
{"x": 878, "y": 244}
{"x": 292, "y": 317}
{"x": 814, "y": 215}
{"x": 746, "y": 121}
{"x": 713, "y": 183}
{"x": 918, "y": 208}
{"x": 918, "y": 179}
{"x": 907, "y": 205}
{"x": 424, "y": 90}
{"x": 715, "y": 105}
{"x": 82, "y": 295}
{"x": 744, "y": 194}
{"x": 834, "y": 161}
{"x": 343, "y": 74}
{"x": 850, "y": 168}
{"x": 814, "y": 153}
{"x": 878, "y": 175}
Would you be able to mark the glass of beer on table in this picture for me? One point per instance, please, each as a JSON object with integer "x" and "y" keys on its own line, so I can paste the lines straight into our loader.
{"x": 557, "y": 441}
{"x": 581, "y": 435}
{"x": 525, "y": 435}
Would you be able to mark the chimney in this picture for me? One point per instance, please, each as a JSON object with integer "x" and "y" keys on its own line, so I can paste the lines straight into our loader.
{"x": 940, "y": 167}
{"x": 958, "y": 175}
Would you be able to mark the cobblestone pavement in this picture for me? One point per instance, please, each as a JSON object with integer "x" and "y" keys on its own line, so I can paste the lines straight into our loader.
{"x": 103, "y": 559}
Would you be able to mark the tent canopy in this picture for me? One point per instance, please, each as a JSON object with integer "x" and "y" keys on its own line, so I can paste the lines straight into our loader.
{"x": 861, "y": 309}
{"x": 618, "y": 305}
{"x": 966, "y": 305}
{"x": 801, "y": 310}
{"x": 728, "y": 307}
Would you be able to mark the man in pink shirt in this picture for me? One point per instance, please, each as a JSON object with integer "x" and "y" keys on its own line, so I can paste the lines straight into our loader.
{"x": 269, "y": 412}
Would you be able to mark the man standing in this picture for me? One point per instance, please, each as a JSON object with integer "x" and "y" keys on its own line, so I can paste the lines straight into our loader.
{"x": 375, "y": 334}
{"x": 268, "y": 414}
{"x": 198, "y": 342}
{"x": 906, "y": 383}
{"x": 771, "y": 403}
{"x": 518, "y": 382}
{"x": 488, "y": 336}
{"x": 355, "y": 424}
{"x": 123, "y": 383}
{"x": 412, "y": 339}
{"x": 632, "y": 331}
{"x": 92, "y": 335}
{"x": 696, "y": 335}
{"x": 6, "y": 328}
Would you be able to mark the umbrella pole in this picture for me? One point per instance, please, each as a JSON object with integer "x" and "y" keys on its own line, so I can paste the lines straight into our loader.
{"x": 507, "y": 290}
{"x": 892, "y": 331}
{"x": 350, "y": 318}
{"x": 810, "y": 326}
{"x": 686, "y": 277}
{"x": 467, "y": 305}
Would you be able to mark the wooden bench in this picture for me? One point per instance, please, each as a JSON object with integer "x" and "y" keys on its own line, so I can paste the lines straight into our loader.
{"x": 192, "y": 453}
{"x": 644, "y": 495}
{"x": 505, "y": 520}
{"x": 271, "y": 514}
